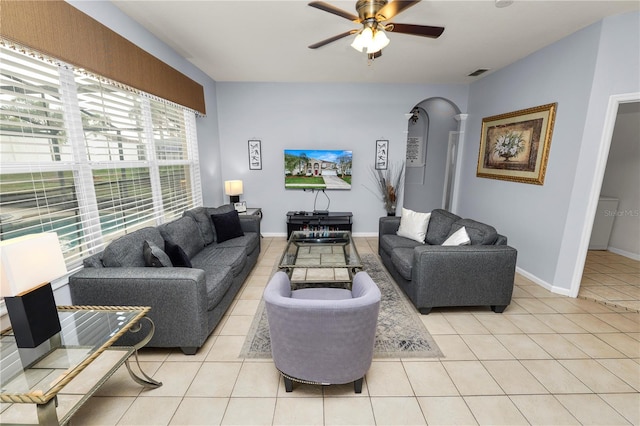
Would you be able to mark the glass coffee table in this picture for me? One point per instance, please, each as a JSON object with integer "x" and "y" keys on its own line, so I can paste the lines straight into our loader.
{"x": 62, "y": 373}
{"x": 324, "y": 258}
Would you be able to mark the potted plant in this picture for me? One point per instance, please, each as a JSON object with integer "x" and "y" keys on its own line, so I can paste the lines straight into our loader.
{"x": 388, "y": 183}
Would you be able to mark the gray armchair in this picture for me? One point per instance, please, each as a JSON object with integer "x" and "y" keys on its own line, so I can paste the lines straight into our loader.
{"x": 322, "y": 335}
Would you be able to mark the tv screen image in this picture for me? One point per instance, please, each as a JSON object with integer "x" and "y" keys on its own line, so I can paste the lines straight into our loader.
{"x": 317, "y": 169}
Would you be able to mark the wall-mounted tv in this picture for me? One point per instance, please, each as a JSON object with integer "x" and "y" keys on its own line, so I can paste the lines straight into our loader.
{"x": 317, "y": 169}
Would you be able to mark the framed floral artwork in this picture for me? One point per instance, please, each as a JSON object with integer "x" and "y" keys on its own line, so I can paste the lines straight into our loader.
{"x": 255, "y": 155}
{"x": 515, "y": 146}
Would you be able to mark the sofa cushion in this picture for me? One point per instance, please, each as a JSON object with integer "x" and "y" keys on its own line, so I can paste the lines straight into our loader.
{"x": 213, "y": 257}
{"x": 225, "y": 208}
{"x": 458, "y": 238}
{"x": 413, "y": 225}
{"x": 154, "y": 256}
{"x": 227, "y": 226}
{"x": 128, "y": 250}
{"x": 185, "y": 233}
{"x": 388, "y": 242}
{"x": 177, "y": 255}
{"x": 440, "y": 224}
{"x": 203, "y": 220}
{"x": 250, "y": 241}
{"x": 402, "y": 259}
{"x": 479, "y": 233}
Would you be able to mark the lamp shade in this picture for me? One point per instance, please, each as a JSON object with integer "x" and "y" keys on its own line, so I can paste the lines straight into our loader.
{"x": 27, "y": 262}
{"x": 233, "y": 187}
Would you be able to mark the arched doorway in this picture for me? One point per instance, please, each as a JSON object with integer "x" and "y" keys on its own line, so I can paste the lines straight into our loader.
{"x": 432, "y": 150}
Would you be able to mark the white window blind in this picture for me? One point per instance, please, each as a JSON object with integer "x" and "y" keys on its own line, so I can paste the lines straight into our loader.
{"x": 88, "y": 158}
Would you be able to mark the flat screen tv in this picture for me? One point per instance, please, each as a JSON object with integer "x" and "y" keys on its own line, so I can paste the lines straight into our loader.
{"x": 317, "y": 169}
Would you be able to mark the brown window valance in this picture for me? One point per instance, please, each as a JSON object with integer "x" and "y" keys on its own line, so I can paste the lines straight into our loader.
{"x": 57, "y": 29}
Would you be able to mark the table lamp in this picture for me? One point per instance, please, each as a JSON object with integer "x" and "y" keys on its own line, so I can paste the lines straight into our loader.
{"x": 28, "y": 264}
{"x": 233, "y": 188}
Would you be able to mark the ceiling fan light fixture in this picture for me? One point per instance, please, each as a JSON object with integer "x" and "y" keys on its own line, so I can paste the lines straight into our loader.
{"x": 370, "y": 41}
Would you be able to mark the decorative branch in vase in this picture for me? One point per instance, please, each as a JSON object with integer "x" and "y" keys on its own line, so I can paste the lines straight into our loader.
{"x": 388, "y": 183}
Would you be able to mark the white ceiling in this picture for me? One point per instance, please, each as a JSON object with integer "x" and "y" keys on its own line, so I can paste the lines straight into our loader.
{"x": 266, "y": 40}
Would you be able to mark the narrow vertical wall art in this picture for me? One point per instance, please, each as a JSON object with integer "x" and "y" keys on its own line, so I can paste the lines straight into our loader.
{"x": 382, "y": 154}
{"x": 255, "y": 155}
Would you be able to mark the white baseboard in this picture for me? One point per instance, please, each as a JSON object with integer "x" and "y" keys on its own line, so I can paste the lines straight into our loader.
{"x": 634, "y": 256}
{"x": 542, "y": 283}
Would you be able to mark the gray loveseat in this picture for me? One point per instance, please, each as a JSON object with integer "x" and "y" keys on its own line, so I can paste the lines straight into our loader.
{"x": 186, "y": 302}
{"x": 433, "y": 275}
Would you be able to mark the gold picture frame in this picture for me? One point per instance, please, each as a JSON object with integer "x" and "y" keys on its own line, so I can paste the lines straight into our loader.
{"x": 515, "y": 146}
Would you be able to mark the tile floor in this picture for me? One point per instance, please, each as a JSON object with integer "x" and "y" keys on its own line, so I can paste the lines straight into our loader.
{"x": 611, "y": 279}
{"x": 547, "y": 360}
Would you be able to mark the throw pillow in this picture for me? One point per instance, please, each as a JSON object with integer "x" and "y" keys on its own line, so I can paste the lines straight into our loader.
{"x": 458, "y": 238}
{"x": 413, "y": 225}
{"x": 177, "y": 255}
{"x": 154, "y": 256}
{"x": 227, "y": 226}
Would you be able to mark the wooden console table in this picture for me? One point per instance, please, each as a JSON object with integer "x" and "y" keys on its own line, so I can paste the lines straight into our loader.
{"x": 309, "y": 221}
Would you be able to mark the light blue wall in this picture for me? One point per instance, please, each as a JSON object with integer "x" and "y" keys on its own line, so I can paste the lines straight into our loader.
{"x": 209, "y": 144}
{"x": 320, "y": 116}
{"x": 578, "y": 72}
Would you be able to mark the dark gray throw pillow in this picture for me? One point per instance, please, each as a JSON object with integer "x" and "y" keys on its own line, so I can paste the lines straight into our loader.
{"x": 177, "y": 255}
{"x": 227, "y": 226}
{"x": 154, "y": 256}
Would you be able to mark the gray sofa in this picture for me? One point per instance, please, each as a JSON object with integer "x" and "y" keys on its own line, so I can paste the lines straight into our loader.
{"x": 433, "y": 275}
{"x": 186, "y": 302}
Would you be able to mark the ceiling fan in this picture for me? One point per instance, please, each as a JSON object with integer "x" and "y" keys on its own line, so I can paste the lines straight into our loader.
{"x": 373, "y": 15}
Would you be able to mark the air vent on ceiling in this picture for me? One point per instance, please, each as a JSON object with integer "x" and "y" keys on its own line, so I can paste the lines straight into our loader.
{"x": 478, "y": 72}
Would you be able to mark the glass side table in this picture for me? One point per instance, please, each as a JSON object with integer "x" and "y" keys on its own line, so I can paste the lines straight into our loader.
{"x": 63, "y": 372}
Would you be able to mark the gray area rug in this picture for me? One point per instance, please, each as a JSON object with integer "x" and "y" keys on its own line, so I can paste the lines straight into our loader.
{"x": 400, "y": 332}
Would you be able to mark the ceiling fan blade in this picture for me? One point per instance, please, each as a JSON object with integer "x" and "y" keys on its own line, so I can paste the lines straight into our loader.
{"x": 418, "y": 30}
{"x": 332, "y": 39}
{"x": 336, "y": 11}
{"x": 392, "y": 8}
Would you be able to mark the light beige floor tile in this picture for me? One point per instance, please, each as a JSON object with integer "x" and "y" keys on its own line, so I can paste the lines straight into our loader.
{"x": 252, "y": 293}
{"x": 536, "y": 306}
{"x": 626, "y": 404}
{"x": 388, "y": 379}
{"x": 466, "y": 324}
{"x": 564, "y": 305}
{"x": 226, "y": 348}
{"x": 200, "y": 411}
{"x": 592, "y": 346}
{"x": 348, "y": 411}
{"x": 522, "y": 347}
{"x": 625, "y": 344}
{"x": 529, "y": 324}
{"x": 154, "y": 354}
{"x": 621, "y": 322}
{"x": 151, "y": 411}
{"x": 249, "y": 411}
{"x": 471, "y": 378}
{"x": 543, "y": 410}
{"x": 555, "y": 377}
{"x": 304, "y": 390}
{"x": 257, "y": 379}
{"x": 498, "y": 324}
{"x": 591, "y": 323}
{"x": 436, "y": 323}
{"x": 176, "y": 377}
{"x": 495, "y": 410}
{"x": 591, "y": 306}
{"x": 595, "y": 376}
{"x": 101, "y": 411}
{"x": 448, "y": 410}
{"x": 343, "y": 390}
{"x": 557, "y": 346}
{"x": 626, "y": 369}
{"x": 560, "y": 324}
{"x": 299, "y": 411}
{"x": 591, "y": 410}
{"x": 245, "y": 307}
{"x": 214, "y": 379}
{"x": 121, "y": 383}
{"x": 430, "y": 379}
{"x": 486, "y": 347}
{"x": 513, "y": 378}
{"x": 453, "y": 347}
{"x": 397, "y": 411}
{"x": 237, "y": 325}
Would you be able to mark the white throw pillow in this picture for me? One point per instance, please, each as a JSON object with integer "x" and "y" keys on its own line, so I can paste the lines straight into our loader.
{"x": 458, "y": 238}
{"x": 413, "y": 225}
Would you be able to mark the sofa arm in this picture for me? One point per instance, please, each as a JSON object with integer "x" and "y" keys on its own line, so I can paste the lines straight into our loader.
{"x": 177, "y": 297}
{"x": 388, "y": 225}
{"x": 464, "y": 275}
{"x": 250, "y": 223}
